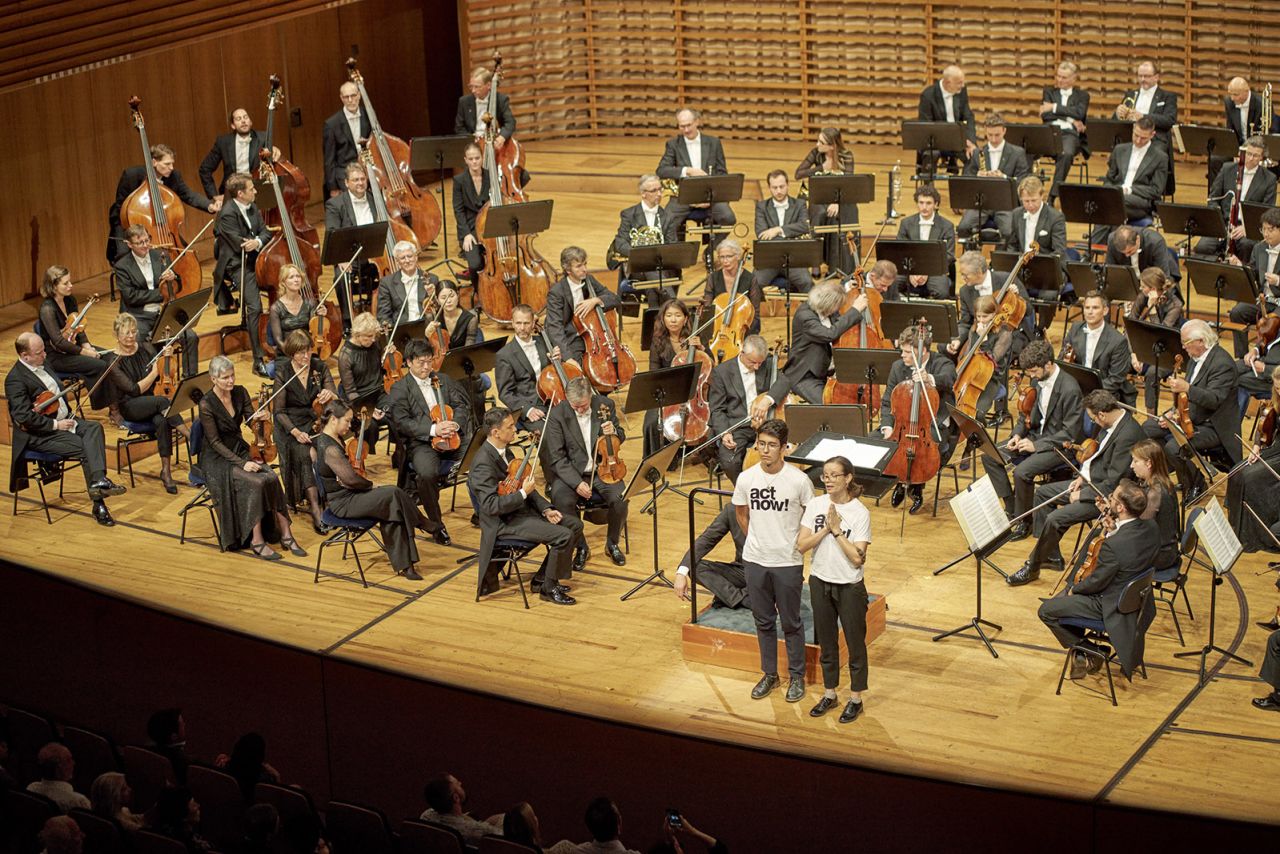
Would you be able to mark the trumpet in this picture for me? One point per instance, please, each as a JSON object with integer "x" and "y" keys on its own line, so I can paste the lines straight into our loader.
{"x": 1125, "y": 111}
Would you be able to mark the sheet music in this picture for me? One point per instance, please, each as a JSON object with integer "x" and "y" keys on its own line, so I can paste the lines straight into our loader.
{"x": 1218, "y": 539}
{"x": 980, "y": 513}
{"x": 861, "y": 454}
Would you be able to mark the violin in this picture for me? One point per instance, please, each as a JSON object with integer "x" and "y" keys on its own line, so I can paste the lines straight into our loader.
{"x": 1267, "y": 426}
{"x": 554, "y": 377}
{"x": 75, "y": 323}
{"x": 689, "y": 421}
{"x": 1084, "y": 450}
{"x": 263, "y": 448}
{"x": 1268, "y": 324}
{"x": 608, "y": 362}
{"x": 440, "y": 338}
{"x": 734, "y": 316}
{"x": 1069, "y": 354}
{"x": 914, "y": 403}
{"x": 294, "y": 185}
{"x": 1181, "y": 411}
{"x": 169, "y": 376}
{"x": 442, "y": 412}
{"x": 518, "y": 470}
{"x": 159, "y": 210}
{"x": 357, "y": 449}
{"x": 392, "y": 361}
{"x": 511, "y": 156}
{"x": 1026, "y": 402}
{"x": 609, "y": 466}
{"x": 1106, "y": 522}
{"x": 46, "y": 402}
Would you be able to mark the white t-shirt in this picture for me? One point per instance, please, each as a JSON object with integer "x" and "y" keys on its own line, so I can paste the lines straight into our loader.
{"x": 829, "y": 560}
{"x": 776, "y": 503}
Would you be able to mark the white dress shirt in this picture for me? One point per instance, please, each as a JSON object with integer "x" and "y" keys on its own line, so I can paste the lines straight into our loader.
{"x": 144, "y": 264}
{"x": 650, "y": 215}
{"x": 1195, "y": 367}
{"x": 1243, "y": 110}
{"x": 1244, "y": 185}
{"x": 985, "y": 287}
{"x": 575, "y": 288}
{"x": 242, "y": 152}
{"x": 926, "y": 227}
{"x": 353, "y": 122}
{"x": 362, "y": 209}
{"x": 1120, "y": 523}
{"x": 412, "y": 311}
{"x": 1091, "y": 338}
{"x": 1145, "y": 97}
{"x": 994, "y": 156}
{"x": 948, "y": 102}
{"x": 530, "y": 349}
{"x": 47, "y": 380}
{"x": 1136, "y": 157}
{"x": 694, "y": 147}
{"x": 428, "y": 394}
{"x": 244, "y": 214}
{"x": 1045, "y": 394}
{"x": 1032, "y": 221}
{"x": 1064, "y": 95}
{"x": 584, "y": 427}
{"x": 482, "y": 107}
{"x": 780, "y": 211}
{"x": 1086, "y": 468}
{"x": 748, "y": 382}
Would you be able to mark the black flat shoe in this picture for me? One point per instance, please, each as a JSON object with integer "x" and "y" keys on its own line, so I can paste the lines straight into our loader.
{"x": 441, "y": 536}
{"x": 852, "y": 709}
{"x": 262, "y": 551}
{"x": 766, "y": 684}
{"x": 320, "y": 527}
{"x": 917, "y": 500}
{"x": 823, "y": 706}
{"x": 412, "y": 575}
{"x": 105, "y": 489}
{"x": 1269, "y": 703}
{"x": 1025, "y": 575}
{"x": 1019, "y": 531}
{"x": 615, "y": 554}
{"x": 899, "y": 493}
{"x": 102, "y": 515}
{"x": 536, "y": 586}
{"x": 261, "y": 370}
{"x": 292, "y": 545}
{"x": 557, "y": 596}
{"x": 1271, "y": 626}
{"x": 169, "y": 486}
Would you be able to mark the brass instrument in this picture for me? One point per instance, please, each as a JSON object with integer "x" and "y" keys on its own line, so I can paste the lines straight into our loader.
{"x": 646, "y": 235}
{"x": 895, "y": 189}
{"x": 803, "y": 195}
{"x": 1265, "y": 121}
{"x": 1124, "y": 112}
{"x": 984, "y": 160}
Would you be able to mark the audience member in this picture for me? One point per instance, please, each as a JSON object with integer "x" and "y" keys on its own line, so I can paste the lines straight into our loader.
{"x": 177, "y": 815}
{"x": 7, "y": 780}
{"x": 61, "y": 835}
{"x": 111, "y": 796}
{"x": 445, "y": 799}
{"x": 301, "y": 834}
{"x": 605, "y": 823}
{"x": 168, "y": 734}
{"x": 56, "y": 768}
{"x": 261, "y": 823}
{"x": 674, "y": 831}
{"x": 248, "y": 764}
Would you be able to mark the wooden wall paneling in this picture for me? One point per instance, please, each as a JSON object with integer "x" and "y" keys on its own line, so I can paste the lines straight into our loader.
{"x": 240, "y": 76}
{"x": 389, "y": 33}
{"x": 312, "y": 72}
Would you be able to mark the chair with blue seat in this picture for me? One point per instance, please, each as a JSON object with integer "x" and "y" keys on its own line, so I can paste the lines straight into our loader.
{"x": 195, "y": 477}
{"x": 507, "y": 551}
{"x": 1132, "y": 600}
{"x": 1171, "y": 581}
{"x": 49, "y": 467}
{"x": 137, "y": 433}
{"x": 345, "y": 531}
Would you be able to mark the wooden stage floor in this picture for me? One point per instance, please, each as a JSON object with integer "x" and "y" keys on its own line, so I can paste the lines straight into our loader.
{"x": 946, "y": 710}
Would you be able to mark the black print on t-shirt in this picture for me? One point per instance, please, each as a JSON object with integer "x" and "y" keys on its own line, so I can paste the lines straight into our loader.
{"x": 767, "y": 499}
{"x": 820, "y": 522}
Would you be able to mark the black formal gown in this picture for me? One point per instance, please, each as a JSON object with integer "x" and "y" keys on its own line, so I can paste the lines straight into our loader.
{"x": 293, "y": 410}
{"x": 283, "y": 321}
{"x": 1261, "y": 487}
{"x": 144, "y": 407}
{"x": 360, "y": 373}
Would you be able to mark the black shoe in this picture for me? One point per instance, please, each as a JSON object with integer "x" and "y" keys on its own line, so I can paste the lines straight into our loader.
{"x": 580, "y": 558}
{"x": 320, "y": 527}
{"x": 475, "y": 520}
{"x": 766, "y": 684}
{"x": 262, "y": 551}
{"x": 1079, "y": 666}
{"x": 795, "y": 690}
{"x": 412, "y": 575}
{"x": 1196, "y": 490}
{"x": 851, "y": 711}
{"x": 260, "y": 369}
{"x": 1093, "y": 663}
{"x": 1055, "y": 563}
{"x": 1020, "y": 531}
{"x": 536, "y": 585}
{"x": 104, "y": 488}
{"x": 292, "y": 545}
{"x": 102, "y": 515}
{"x": 441, "y": 536}
{"x": 1271, "y": 626}
{"x": 615, "y": 554}
{"x": 1025, "y": 575}
{"x": 558, "y": 596}
{"x": 169, "y": 486}
{"x": 917, "y": 500}
{"x": 823, "y": 706}
{"x": 899, "y": 492}
{"x": 1269, "y": 703}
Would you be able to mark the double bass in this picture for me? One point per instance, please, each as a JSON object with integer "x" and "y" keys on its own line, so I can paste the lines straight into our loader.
{"x": 294, "y": 186}
{"x": 403, "y": 197}
{"x": 158, "y": 209}
{"x": 914, "y": 404}
{"x": 397, "y": 231}
{"x": 510, "y": 156}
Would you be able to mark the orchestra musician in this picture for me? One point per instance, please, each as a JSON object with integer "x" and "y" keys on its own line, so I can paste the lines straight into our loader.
{"x": 569, "y": 460}
{"x": 409, "y": 405}
{"x": 1035, "y": 221}
{"x": 1118, "y": 433}
{"x": 996, "y": 159}
{"x": 1156, "y": 303}
{"x": 1255, "y": 371}
{"x": 237, "y": 151}
{"x": 1126, "y": 553}
{"x": 817, "y": 325}
{"x": 1257, "y": 187}
{"x": 1098, "y": 345}
{"x": 461, "y": 326}
{"x": 1256, "y": 485}
{"x": 1210, "y": 386}
{"x": 1162, "y": 503}
{"x": 998, "y": 344}
{"x": 353, "y": 496}
{"x": 470, "y": 194}
{"x": 1141, "y": 248}
{"x": 134, "y": 376}
{"x": 948, "y": 101}
{"x": 928, "y": 224}
{"x": 883, "y": 276}
{"x": 782, "y": 217}
{"x": 1139, "y": 168}
{"x": 291, "y": 310}
{"x": 403, "y": 294}
{"x": 519, "y": 362}
{"x": 141, "y": 274}
{"x": 307, "y": 384}
{"x": 162, "y": 160}
{"x": 830, "y": 157}
{"x": 726, "y": 580}
{"x": 937, "y": 371}
{"x": 740, "y": 387}
{"x": 1265, "y": 261}
{"x": 341, "y": 137}
{"x": 1066, "y": 108}
{"x": 241, "y": 236}
{"x": 473, "y": 106}
{"x": 577, "y": 292}
{"x": 671, "y": 327}
{"x": 646, "y": 215}
{"x": 252, "y": 510}
{"x": 522, "y": 514}
{"x": 60, "y": 433}
{"x": 1159, "y": 105}
{"x": 70, "y": 356}
{"x": 1243, "y": 110}
{"x": 731, "y": 269}
{"x": 360, "y": 372}
{"x": 1033, "y": 448}
{"x": 980, "y": 281}
{"x": 691, "y": 154}
{"x": 349, "y": 208}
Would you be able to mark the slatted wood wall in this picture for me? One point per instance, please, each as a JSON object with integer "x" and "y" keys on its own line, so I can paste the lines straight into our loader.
{"x": 783, "y": 70}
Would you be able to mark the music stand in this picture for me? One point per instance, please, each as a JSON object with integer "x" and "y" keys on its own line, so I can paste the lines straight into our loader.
{"x": 468, "y": 363}
{"x": 657, "y": 390}
{"x": 661, "y": 257}
{"x": 1152, "y": 343}
{"x": 439, "y": 153}
{"x": 1039, "y": 140}
{"x": 871, "y": 476}
{"x": 515, "y": 219}
{"x": 1192, "y": 220}
{"x": 840, "y": 190}
{"x": 785, "y": 254}
{"x": 1216, "y": 279}
{"x": 1087, "y": 378}
{"x": 1106, "y": 134}
{"x": 859, "y": 366}
{"x": 938, "y": 314}
{"x": 914, "y": 257}
{"x": 1094, "y": 206}
{"x": 1253, "y": 212}
{"x": 709, "y": 190}
{"x": 1272, "y": 143}
{"x": 1209, "y": 141}
{"x": 804, "y": 421}
{"x": 930, "y": 140}
{"x": 407, "y": 331}
{"x": 1116, "y": 281}
{"x": 651, "y": 470}
{"x": 987, "y": 447}
{"x": 189, "y": 393}
{"x": 178, "y": 312}
{"x": 346, "y": 245}
{"x": 984, "y": 195}
{"x": 1041, "y": 276}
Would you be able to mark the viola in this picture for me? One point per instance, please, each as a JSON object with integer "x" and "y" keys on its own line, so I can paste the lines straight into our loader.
{"x": 1026, "y": 402}
{"x": 867, "y": 334}
{"x": 689, "y": 421}
{"x": 263, "y": 448}
{"x": 1089, "y": 564}
{"x": 440, "y": 338}
{"x": 1181, "y": 411}
{"x": 518, "y": 470}
{"x": 554, "y": 377}
{"x": 413, "y": 204}
{"x": 169, "y": 377}
{"x": 75, "y": 323}
{"x": 511, "y": 156}
{"x": 609, "y": 466}
{"x": 294, "y": 185}
{"x": 46, "y": 402}
{"x": 392, "y": 361}
{"x": 608, "y": 362}
{"x": 1084, "y": 450}
{"x": 442, "y": 412}
{"x": 914, "y": 405}
{"x": 734, "y": 316}
{"x": 1267, "y": 426}
{"x": 357, "y": 449}
{"x": 158, "y": 209}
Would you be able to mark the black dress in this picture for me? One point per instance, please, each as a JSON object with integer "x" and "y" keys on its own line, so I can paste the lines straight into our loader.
{"x": 1163, "y": 507}
{"x": 1257, "y": 482}
{"x": 360, "y": 373}
{"x": 293, "y": 410}
{"x": 63, "y": 355}
{"x": 137, "y": 405}
{"x": 283, "y": 321}
{"x": 243, "y": 498}
{"x": 835, "y": 249}
{"x": 352, "y": 496}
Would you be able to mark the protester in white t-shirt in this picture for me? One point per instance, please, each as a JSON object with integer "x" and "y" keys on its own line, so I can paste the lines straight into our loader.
{"x": 769, "y": 499}
{"x": 837, "y": 529}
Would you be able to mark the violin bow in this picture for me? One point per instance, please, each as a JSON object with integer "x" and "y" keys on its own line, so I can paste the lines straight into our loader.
{"x": 391, "y": 339}
{"x": 190, "y": 245}
{"x": 273, "y": 396}
{"x": 184, "y": 328}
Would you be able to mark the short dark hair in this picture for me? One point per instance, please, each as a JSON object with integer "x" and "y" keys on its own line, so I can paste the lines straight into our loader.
{"x": 1097, "y": 294}
{"x": 438, "y": 793}
{"x": 775, "y": 427}
{"x": 1145, "y": 123}
{"x": 524, "y": 308}
{"x": 163, "y": 726}
{"x": 995, "y": 120}
{"x": 418, "y": 347}
{"x": 1132, "y": 496}
{"x": 1037, "y": 354}
{"x": 1271, "y": 217}
{"x": 1126, "y": 235}
{"x": 602, "y": 819}
{"x": 494, "y": 417}
{"x": 930, "y": 191}
{"x": 774, "y": 174}
{"x": 1100, "y": 400}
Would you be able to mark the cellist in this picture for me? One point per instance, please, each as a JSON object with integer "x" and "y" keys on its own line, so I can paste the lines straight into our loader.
{"x": 937, "y": 371}
{"x": 144, "y": 279}
{"x": 997, "y": 342}
{"x": 162, "y": 159}
{"x": 816, "y": 326}
{"x": 731, "y": 270}
{"x": 241, "y": 236}
{"x": 979, "y": 281}
{"x": 576, "y": 293}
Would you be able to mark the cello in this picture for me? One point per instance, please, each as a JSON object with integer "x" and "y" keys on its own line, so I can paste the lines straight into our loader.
{"x": 404, "y": 198}
{"x": 976, "y": 367}
{"x": 917, "y": 460}
{"x": 866, "y": 335}
{"x": 294, "y": 186}
{"x": 608, "y": 362}
{"x": 734, "y": 316}
{"x": 554, "y": 377}
{"x": 510, "y": 155}
{"x": 689, "y": 421}
{"x": 158, "y": 209}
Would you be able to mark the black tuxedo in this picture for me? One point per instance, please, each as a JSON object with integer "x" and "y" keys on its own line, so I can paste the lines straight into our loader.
{"x": 675, "y": 158}
{"x": 810, "y": 355}
{"x": 1111, "y": 356}
{"x": 1164, "y": 112}
{"x": 38, "y": 433}
{"x": 136, "y": 295}
{"x": 1246, "y": 313}
{"x": 223, "y": 153}
{"x": 1051, "y": 233}
{"x": 726, "y": 579}
{"x": 517, "y": 379}
{"x": 1253, "y": 122}
{"x": 933, "y": 108}
{"x": 559, "y": 317}
{"x": 729, "y": 404}
{"x": 1262, "y": 191}
{"x": 339, "y": 212}
{"x": 565, "y": 459}
{"x": 340, "y": 147}
{"x": 410, "y": 418}
{"x": 796, "y": 225}
{"x": 1152, "y": 252}
{"x": 130, "y": 180}
{"x": 1013, "y": 161}
{"x": 937, "y": 287}
{"x": 1148, "y": 184}
{"x": 1060, "y": 423}
{"x": 465, "y": 120}
{"x": 633, "y": 217}
{"x": 1076, "y": 108}
{"x": 391, "y": 296}
{"x": 233, "y": 229}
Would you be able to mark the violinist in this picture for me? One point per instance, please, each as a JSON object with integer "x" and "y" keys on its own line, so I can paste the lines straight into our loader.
{"x": 343, "y": 132}
{"x": 407, "y": 286}
{"x": 292, "y": 309}
{"x": 1265, "y": 261}
{"x": 75, "y": 355}
{"x": 1098, "y": 475}
{"x": 241, "y": 236}
{"x": 1140, "y": 248}
{"x": 461, "y": 326}
{"x": 522, "y": 514}
{"x": 1162, "y": 502}
{"x": 569, "y": 459}
{"x": 353, "y": 496}
{"x": 830, "y": 156}
{"x": 648, "y": 215}
{"x": 1126, "y": 552}
{"x": 307, "y": 384}
{"x": 1256, "y": 484}
{"x": 1210, "y": 386}
{"x": 162, "y": 158}
{"x": 979, "y": 281}
{"x": 998, "y": 344}
{"x": 740, "y": 395}
{"x": 1255, "y": 371}
{"x": 731, "y": 269}
{"x": 1257, "y": 186}
{"x": 143, "y": 278}
{"x": 1100, "y": 346}
{"x": 352, "y": 207}
{"x": 928, "y": 224}
{"x": 472, "y": 108}
{"x": 1033, "y": 447}
{"x": 781, "y": 217}
{"x": 519, "y": 362}
{"x": 252, "y": 510}
{"x": 671, "y": 329}
{"x": 576, "y": 293}
{"x": 816, "y": 326}
{"x": 690, "y": 154}
{"x": 237, "y": 151}
{"x": 360, "y": 373}
{"x": 59, "y": 433}
{"x": 134, "y": 377}
{"x": 470, "y": 194}
{"x": 1158, "y": 303}
{"x": 938, "y": 372}
{"x": 410, "y": 405}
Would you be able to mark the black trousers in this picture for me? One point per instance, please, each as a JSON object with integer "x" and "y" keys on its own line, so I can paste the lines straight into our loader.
{"x": 89, "y": 369}
{"x": 774, "y": 592}
{"x": 395, "y": 509}
{"x": 731, "y": 461}
{"x": 721, "y": 213}
{"x": 1270, "y": 671}
{"x": 1203, "y": 439}
{"x": 151, "y": 409}
{"x": 1053, "y": 610}
{"x": 1062, "y": 166}
{"x": 1052, "y": 521}
{"x": 85, "y": 444}
{"x": 1026, "y": 469}
{"x": 835, "y": 607}
{"x": 1246, "y": 313}
{"x": 426, "y": 467}
{"x": 561, "y": 540}
{"x": 250, "y": 298}
{"x": 726, "y": 581}
{"x": 565, "y": 498}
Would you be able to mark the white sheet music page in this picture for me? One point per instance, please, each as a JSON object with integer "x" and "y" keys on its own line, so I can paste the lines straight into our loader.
{"x": 980, "y": 513}
{"x": 1217, "y": 537}
{"x": 862, "y": 454}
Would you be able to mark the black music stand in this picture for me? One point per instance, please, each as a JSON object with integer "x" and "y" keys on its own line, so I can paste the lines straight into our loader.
{"x": 1095, "y": 206}
{"x": 189, "y": 393}
{"x": 1087, "y": 378}
{"x": 661, "y": 258}
{"x": 804, "y": 421}
{"x": 870, "y": 365}
{"x": 516, "y": 219}
{"x": 1192, "y": 220}
{"x": 984, "y": 195}
{"x": 438, "y": 153}
{"x": 1209, "y": 141}
{"x": 1219, "y": 280}
{"x": 468, "y": 363}
{"x": 930, "y": 140}
{"x": 1153, "y": 343}
{"x": 1041, "y": 276}
{"x": 986, "y": 446}
{"x": 178, "y": 312}
{"x": 657, "y": 390}
{"x": 1039, "y": 140}
{"x": 346, "y": 245}
{"x": 266, "y": 198}
{"x": 651, "y": 472}
{"x": 785, "y": 254}
{"x": 939, "y": 315}
{"x": 914, "y": 257}
{"x": 1106, "y": 134}
{"x": 407, "y": 331}
{"x": 1252, "y": 212}
{"x": 709, "y": 190}
{"x": 1116, "y": 281}
{"x": 1271, "y": 142}
{"x": 840, "y": 190}
{"x": 872, "y": 477}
